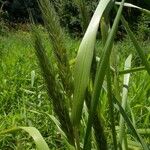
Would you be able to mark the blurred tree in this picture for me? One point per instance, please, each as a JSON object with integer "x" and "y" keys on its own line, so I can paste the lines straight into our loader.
{"x": 67, "y": 10}
{"x": 18, "y": 9}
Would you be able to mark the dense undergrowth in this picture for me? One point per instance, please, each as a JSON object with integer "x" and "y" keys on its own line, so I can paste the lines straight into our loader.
{"x": 24, "y": 100}
{"x": 23, "y": 94}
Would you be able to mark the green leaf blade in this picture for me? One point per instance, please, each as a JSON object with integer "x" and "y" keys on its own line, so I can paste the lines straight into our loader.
{"x": 34, "y": 133}
{"x": 84, "y": 60}
{"x": 129, "y": 123}
{"x": 101, "y": 73}
{"x": 134, "y": 6}
{"x": 122, "y": 133}
{"x": 137, "y": 46}
{"x": 38, "y": 139}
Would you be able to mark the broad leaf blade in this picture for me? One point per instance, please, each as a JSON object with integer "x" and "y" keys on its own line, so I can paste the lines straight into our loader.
{"x": 84, "y": 60}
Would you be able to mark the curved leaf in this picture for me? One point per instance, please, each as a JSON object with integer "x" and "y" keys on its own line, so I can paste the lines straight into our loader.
{"x": 34, "y": 133}
{"x": 100, "y": 74}
{"x": 137, "y": 46}
{"x": 84, "y": 60}
{"x": 134, "y": 6}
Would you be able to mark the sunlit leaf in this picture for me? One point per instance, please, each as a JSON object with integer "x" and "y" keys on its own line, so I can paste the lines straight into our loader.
{"x": 84, "y": 60}
{"x": 122, "y": 133}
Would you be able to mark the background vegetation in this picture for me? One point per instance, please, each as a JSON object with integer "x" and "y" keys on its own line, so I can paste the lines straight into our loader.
{"x": 67, "y": 10}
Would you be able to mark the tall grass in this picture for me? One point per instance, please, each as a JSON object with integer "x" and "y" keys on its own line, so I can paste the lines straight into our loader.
{"x": 81, "y": 74}
{"x": 78, "y": 96}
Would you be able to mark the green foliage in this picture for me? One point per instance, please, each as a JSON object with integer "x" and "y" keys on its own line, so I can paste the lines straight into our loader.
{"x": 71, "y": 15}
{"x": 83, "y": 112}
{"x": 54, "y": 89}
{"x": 84, "y": 61}
{"x": 3, "y": 23}
{"x": 19, "y": 99}
{"x": 144, "y": 27}
{"x": 21, "y": 102}
{"x": 38, "y": 139}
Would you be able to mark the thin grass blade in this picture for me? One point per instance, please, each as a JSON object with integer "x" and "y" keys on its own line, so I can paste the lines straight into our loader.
{"x": 131, "y": 70}
{"x": 136, "y": 45}
{"x": 134, "y": 6}
{"x": 129, "y": 123}
{"x": 111, "y": 108}
{"x": 105, "y": 27}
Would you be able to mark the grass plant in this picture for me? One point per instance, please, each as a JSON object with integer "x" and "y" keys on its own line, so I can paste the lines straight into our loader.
{"x": 70, "y": 101}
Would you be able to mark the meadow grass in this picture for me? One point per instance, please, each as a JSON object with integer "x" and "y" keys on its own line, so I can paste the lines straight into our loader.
{"x": 18, "y": 97}
{"x": 23, "y": 104}
{"x": 53, "y": 84}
